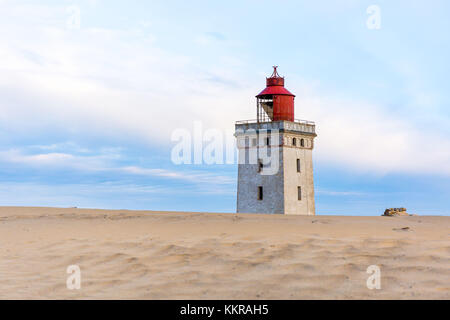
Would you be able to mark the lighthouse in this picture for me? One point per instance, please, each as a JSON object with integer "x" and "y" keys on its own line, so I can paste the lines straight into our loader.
{"x": 275, "y": 170}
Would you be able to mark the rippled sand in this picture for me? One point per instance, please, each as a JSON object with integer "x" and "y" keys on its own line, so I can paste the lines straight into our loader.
{"x": 155, "y": 255}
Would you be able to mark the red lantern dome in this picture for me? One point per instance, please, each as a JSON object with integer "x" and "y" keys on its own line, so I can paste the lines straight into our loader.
{"x": 275, "y": 102}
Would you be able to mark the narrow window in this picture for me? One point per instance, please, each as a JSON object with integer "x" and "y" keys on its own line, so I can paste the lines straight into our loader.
{"x": 298, "y": 165}
{"x": 299, "y": 191}
{"x": 260, "y": 165}
{"x": 294, "y": 142}
{"x": 302, "y": 142}
{"x": 260, "y": 193}
{"x": 268, "y": 141}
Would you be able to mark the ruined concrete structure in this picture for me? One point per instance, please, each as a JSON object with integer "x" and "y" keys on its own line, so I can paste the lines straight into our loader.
{"x": 391, "y": 212}
{"x": 275, "y": 173}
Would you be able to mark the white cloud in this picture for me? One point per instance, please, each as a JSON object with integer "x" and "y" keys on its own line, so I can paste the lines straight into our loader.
{"x": 365, "y": 137}
{"x": 105, "y": 162}
{"x": 59, "y": 160}
{"x": 118, "y": 83}
{"x": 181, "y": 175}
{"x": 110, "y": 82}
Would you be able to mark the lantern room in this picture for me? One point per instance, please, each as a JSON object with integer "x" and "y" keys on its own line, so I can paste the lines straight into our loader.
{"x": 275, "y": 102}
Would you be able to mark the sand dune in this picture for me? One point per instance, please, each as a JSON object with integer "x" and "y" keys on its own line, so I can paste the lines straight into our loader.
{"x": 162, "y": 255}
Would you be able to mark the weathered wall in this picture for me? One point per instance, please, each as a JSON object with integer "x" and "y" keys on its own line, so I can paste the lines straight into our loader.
{"x": 294, "y": 179}
{"x": 249, "y": 179}
{"x": 280, "y": 189}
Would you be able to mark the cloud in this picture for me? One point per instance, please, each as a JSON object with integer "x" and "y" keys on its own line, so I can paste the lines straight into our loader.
{"x": 209, "y": 178}
{"x": 104, "y": 82}
{"x": 107, "y": 162}
{"x": 107, "y": 80}
{"x": 365, "y": 137}
{"x": 120, "y": 85}
{"x": 58, "y": 160}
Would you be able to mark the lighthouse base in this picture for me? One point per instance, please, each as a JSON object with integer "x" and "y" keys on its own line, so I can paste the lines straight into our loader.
{"x": 284, "y": 186}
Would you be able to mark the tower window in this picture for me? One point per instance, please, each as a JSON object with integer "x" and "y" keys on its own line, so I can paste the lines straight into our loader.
{"x": 302, "y": 142}
{"x": 268, "y": 141}
{"x": 260, "y": 165}
{"x": 294, "y": 142}
{"x": 298, "y": 165}
{"x": 299, "y": 191}
{"x": 260, "y": 193}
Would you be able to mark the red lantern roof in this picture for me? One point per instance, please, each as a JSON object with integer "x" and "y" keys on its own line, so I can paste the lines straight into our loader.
{"x": 275, "y": 85}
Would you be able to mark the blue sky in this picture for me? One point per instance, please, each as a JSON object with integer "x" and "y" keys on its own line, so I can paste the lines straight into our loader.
{"x": 87, "y": 113}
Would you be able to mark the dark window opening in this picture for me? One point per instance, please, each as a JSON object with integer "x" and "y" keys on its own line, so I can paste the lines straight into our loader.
{"x": 260, "y": 165}
{"x": 294, "y": 142}
{"x": 268, "y": 141}
{"x": 299, "y": 190}
{"x": 260, "y": 193}
{"x": 302, "y": 142}
{"x": 298, "y": 165}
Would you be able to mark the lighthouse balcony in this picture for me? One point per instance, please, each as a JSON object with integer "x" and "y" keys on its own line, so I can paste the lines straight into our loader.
{"x": 301, "y": 126}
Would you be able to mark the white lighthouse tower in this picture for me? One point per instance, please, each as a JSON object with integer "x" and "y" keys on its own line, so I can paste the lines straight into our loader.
{"x": 275, "y": 172}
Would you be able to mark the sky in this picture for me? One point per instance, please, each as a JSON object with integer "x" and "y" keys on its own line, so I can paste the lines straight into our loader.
{"x": 92, "y": 91}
